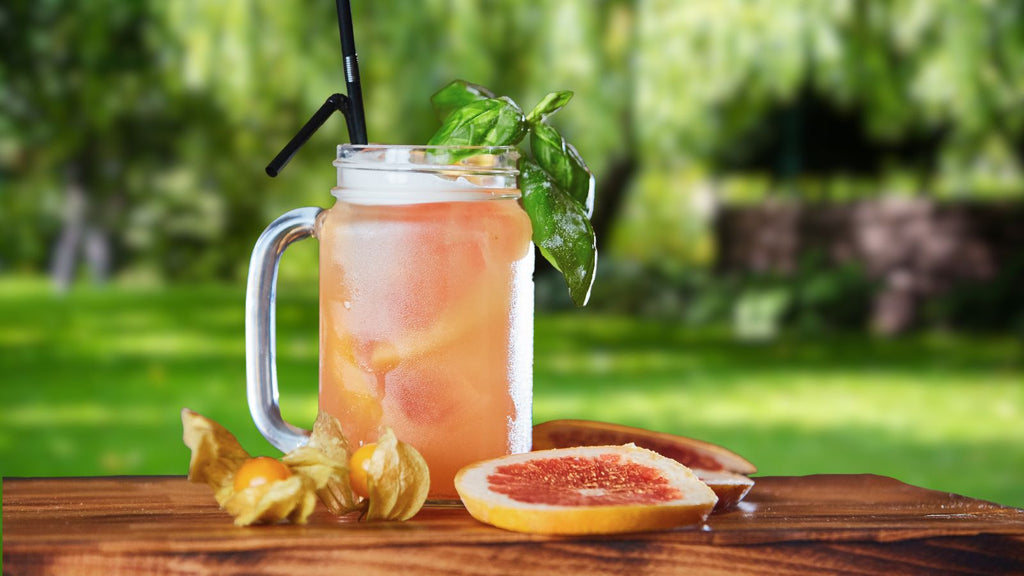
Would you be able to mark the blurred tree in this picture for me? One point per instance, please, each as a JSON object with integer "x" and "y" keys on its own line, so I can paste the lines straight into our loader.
{"x": 924, "y": 92}
{"x": 79, "y": 96}
{"x": 906, "y": 67}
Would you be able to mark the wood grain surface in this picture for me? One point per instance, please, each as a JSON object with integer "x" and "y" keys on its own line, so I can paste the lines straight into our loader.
{"x": 849, "y": 524}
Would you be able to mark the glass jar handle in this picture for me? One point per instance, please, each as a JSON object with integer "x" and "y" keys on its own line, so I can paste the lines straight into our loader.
{"x": 260, "y": 347}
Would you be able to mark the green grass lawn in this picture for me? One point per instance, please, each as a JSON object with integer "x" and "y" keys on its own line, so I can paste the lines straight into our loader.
{"x": 93, "y": 382}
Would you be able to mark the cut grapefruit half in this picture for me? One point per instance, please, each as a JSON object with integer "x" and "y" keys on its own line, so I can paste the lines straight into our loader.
{"x": 584, "y": 490}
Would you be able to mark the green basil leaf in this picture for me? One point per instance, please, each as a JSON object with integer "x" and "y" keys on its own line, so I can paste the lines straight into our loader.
{"x": 561, "y": 160}
{"x": 561, "y": 229}
{"x": 457, "y": 94}
{"x": 551, "y": 103}
{"x": 490, "y": 122}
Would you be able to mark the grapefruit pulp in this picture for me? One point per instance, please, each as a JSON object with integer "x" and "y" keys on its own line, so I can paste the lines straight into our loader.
{"x": 584, "y": 490}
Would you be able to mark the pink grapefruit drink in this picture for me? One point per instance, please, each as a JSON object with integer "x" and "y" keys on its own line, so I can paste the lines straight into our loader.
{"x": 426, "y": 305}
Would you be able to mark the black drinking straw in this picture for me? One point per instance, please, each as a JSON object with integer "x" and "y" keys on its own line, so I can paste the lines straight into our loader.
{"x": 334, "y": 103}
{"x": 351, "y": 106}
{"x": 356, "y": 118}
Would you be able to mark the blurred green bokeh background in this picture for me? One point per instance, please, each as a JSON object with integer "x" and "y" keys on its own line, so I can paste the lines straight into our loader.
{"x": 809, "y": 217}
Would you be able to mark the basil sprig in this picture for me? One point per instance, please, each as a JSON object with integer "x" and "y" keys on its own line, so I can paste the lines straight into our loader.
{"x": 557, "y": 185}
{"x": 456, "y": 95}
{"x": 561, "y": 160}
{"x": 561, "y": 229}
{"x": 488, "y": 122}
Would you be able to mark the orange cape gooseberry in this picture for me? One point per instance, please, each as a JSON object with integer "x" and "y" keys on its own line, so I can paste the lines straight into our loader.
{"x": 260, "y": 470}
{"x": 358, "y": 470}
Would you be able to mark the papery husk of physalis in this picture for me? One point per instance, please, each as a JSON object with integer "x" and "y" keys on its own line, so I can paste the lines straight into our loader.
{"x": 216, "y": 454}
{"x": 292, "y": 499}
{"x": 216, "y": 458}
{"x": 324, "y": 460}
{"x": 397, "y": 480}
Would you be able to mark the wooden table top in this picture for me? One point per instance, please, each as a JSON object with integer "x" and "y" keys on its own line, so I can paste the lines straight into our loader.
{"x": 856, "y": 524}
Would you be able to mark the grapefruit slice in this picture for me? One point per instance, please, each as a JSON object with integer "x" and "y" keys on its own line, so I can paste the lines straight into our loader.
{"x": 687, "y": 451}
{"x": 584, "y": 490}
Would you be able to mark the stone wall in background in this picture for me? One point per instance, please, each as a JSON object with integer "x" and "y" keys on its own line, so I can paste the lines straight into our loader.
{"x": 914, "y": 248}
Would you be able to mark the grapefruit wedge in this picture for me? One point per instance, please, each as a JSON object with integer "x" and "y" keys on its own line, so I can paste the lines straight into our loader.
{"x": 584, "y": 490}
{"x": 687, "y": 451}
{"x": 721, "y": 469}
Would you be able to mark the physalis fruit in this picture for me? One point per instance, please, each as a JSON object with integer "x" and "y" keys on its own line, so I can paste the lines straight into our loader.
{"x": 358, "y": 469}
{"x": 397, "y": 480}
{"x": 260, "y": 470}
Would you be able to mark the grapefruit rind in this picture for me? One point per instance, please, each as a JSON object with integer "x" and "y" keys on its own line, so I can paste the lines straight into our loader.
{"x": 502, "y": 511}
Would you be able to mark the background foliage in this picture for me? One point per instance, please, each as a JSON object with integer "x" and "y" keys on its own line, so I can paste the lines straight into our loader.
{"x": 133, "y": 136}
